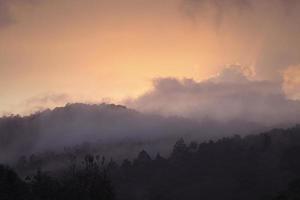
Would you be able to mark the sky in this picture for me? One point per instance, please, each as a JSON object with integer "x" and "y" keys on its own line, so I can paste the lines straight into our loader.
{"x": 57, "y": 51}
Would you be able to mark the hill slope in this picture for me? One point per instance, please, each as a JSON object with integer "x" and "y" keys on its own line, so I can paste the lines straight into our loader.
{"x": 104, "y": 124}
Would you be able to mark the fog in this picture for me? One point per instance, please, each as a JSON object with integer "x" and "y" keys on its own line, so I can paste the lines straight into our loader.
{"x": 260, "y": 93}
{"x": 106, "y": 129}
{"x": 229, "y": 96}
{"x": 231, "y": 102}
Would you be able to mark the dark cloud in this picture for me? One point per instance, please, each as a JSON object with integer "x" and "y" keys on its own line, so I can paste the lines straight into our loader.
{"x": 230, "y": 96}
{"x": 5, "y": 15}
{"x": 214, "y": 9}
{"x": 221, "y": 8}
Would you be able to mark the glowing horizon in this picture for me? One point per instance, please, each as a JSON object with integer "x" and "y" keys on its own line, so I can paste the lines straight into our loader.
{"x": 94, "y": 50}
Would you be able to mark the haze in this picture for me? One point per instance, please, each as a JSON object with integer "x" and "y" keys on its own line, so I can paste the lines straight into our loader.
{"x": 97, "y": 50}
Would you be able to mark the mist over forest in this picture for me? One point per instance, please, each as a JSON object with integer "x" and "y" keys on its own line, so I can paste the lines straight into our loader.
{"x": 149, "y": 99}
{"x": 165, "y": 151}
{"x": 105, "y": 127}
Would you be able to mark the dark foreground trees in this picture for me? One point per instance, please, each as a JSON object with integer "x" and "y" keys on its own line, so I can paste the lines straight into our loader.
{"x": 260, "y": 167}
{"x": 11, "y": 186}
{"x": 86, "y": 182}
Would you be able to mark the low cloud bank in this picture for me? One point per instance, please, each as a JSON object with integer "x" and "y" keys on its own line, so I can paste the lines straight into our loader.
{"x": 229, "y": 96}
{"x": 111, "y": 130}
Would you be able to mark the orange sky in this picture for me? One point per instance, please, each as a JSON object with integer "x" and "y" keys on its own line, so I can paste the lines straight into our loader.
{"x": 96, "y": 49}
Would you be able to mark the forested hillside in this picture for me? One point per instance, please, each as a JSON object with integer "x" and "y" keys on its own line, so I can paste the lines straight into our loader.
{"x": 264, "y": 166}
{"x": 112, "y": 130}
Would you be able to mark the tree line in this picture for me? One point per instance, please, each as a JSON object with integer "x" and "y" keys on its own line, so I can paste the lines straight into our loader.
{"x": 264, "y": 166}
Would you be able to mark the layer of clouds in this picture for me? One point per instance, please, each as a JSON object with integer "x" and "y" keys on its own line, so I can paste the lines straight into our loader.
{"x": 5, "y": 15}
{"x": 7, "y": 10}
{"x": 109, "y": 8}
{"x": 46, "y": 101}
{"x": 219, "y": 10}
{"x": 273, "y": 25}
{"x": 232, "y": 102}
{"x": 291, "y": 83}
{"x": 38, "y": 103}
{"x": 230, "y": 96}
{"x": 110, "y": 130}
{"x": 75, "y": 124}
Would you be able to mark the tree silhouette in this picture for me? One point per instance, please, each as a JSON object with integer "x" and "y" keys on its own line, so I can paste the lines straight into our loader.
{"x": 179, "y": 150}
{"x": 11, "y": 186}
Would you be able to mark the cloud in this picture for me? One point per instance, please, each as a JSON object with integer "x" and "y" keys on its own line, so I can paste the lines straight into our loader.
{"x": 49, "y": 98}
{"x": 220, "y": 10}
{"x": 5, "y": 15}
{"x": 6, "y": 12}
{"x": 272, "y": 25}
{"x": 215, "y": 10}
{"x": 232, "y": 102}
{"x": 111, "y": 130}
{"x": 230, "y": 96}
{"x": 43, "y": 102}
{"x": 291, "y": 82}
{"x": 101, "y": 124}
